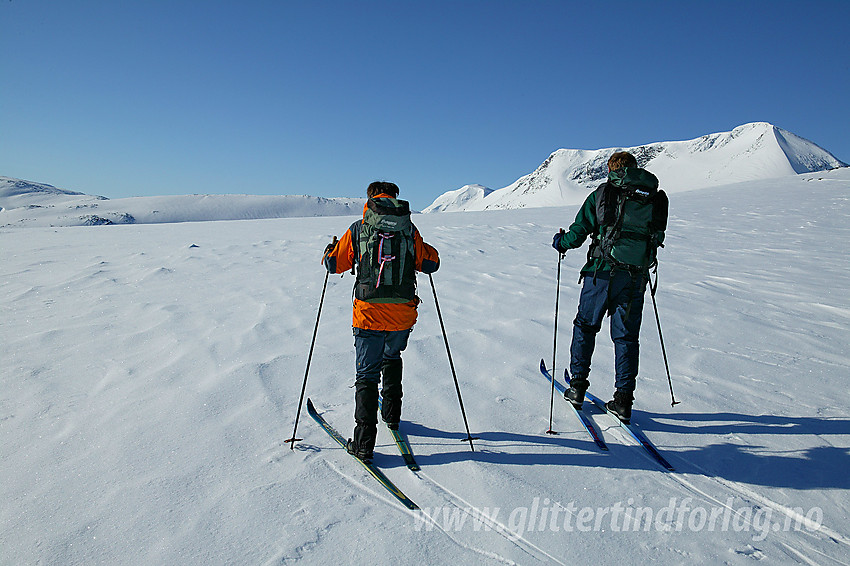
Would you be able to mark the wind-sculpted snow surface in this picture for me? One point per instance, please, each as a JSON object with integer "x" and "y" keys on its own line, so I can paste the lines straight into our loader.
{"x": 150, "y": 374}
{"x": 749, "y": 152}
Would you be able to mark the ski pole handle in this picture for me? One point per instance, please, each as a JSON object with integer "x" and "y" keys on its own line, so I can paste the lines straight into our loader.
{"x": 331, "y": 247}
{"x": 556, "y": 242}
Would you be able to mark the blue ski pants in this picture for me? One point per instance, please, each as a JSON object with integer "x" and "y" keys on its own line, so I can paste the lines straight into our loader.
{"x": 372, "y": 347}
{"x": 378, "y": 354}
{"x": 620, "y": 295}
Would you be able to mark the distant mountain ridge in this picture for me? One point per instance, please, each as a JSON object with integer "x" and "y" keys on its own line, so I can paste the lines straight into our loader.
{"x": 25, "y": 203}
{"x": 19, "y": 188}
{"x": 750, "y": 152}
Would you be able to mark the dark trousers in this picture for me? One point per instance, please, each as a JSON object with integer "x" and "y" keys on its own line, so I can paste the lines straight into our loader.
{"x": 619, "y": 294}
{"x": 378, "y": 354}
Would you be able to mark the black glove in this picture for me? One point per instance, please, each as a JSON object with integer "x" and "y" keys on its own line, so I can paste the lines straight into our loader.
{"x": 556, "y": 242}
{"x": 331, "y": 246}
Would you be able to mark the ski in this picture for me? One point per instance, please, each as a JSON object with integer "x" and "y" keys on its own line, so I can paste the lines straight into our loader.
{"x": 403, "y": 447}
{"x": 582, "y": 417}
{"x": 371, "y": 468}
{"x": 634, "y": 432}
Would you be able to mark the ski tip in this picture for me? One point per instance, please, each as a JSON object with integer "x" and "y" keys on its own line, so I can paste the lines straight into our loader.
{"x": 310, "y": 405}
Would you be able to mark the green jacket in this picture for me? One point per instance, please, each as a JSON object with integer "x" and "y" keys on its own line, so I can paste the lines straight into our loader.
{"x": 586, "y": 223}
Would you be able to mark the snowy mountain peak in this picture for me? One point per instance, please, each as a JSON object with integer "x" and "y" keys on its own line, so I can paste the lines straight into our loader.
{"x": 459, "y": 197}
{"x": 10, "y": 187}
{"x": 758, "y": 150}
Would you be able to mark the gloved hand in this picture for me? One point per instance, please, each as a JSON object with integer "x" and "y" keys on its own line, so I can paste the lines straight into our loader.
{"x": 556, "y": 242}
{"x": 331, "y": 246}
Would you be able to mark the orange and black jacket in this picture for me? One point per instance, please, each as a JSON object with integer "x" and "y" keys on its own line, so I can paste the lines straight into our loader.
{"x": 381, "y": 316}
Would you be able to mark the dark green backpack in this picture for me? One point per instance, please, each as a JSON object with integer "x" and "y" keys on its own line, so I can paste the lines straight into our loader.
{"x": 632, "y": 216}
{"x": 384, "y": 252}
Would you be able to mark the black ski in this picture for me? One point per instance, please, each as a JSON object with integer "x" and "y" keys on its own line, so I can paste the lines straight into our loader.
{"x": 582, "y": 417}
{"x": 635, "y": 433}
{"x": 403, "y": 447}
{"x": 371, "y": 468}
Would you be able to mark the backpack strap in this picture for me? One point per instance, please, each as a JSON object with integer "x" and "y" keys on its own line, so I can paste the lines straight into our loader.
{"x": 609, "y": 213}
{"x": 384, "y": 258}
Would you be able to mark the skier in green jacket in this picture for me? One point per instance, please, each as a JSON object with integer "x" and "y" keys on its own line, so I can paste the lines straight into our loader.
{"x": 626, "y": 218}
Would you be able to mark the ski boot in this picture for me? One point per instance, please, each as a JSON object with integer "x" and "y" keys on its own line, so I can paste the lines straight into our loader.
{"x": 621, "y": 405}
{"x": 360, "y": 453}
{"x": 575, "y": 393}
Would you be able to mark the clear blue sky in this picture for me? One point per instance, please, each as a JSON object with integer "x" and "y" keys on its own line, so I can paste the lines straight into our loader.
{"x": 151, "y": 97}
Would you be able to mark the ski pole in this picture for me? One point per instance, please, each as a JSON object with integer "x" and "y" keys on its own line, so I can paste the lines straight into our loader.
{"x": 555, "y": 344}
{"x": 293, "y": 440}
{"x": 652, "y": 290}
{"x": 469, "y": 437}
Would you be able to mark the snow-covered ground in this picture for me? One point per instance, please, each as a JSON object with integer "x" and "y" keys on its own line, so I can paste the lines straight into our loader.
{"x": 150, "y": 373}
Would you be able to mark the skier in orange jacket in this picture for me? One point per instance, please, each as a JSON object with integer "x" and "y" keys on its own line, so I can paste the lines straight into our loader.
{"x": 387, "y": 250}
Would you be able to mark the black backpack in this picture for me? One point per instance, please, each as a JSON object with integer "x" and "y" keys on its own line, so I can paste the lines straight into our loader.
{"x": 632, "y": 213}
{"x": 384, "y": 252}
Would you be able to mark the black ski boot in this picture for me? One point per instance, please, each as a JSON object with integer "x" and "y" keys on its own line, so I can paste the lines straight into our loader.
{"x": 366, "y": 419}
{"x": 391, "y": 393}
{"x": 575, "y": 394}
{"x": 621, "y": 405}
{"x": 364, "y": 455}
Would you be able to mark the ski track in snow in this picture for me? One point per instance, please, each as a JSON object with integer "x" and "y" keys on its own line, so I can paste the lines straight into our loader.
{"x": 450, "y": 499}
{"x": 150, "y": 374}
{"x": 493, "y": 524}
{"x": 740, "y": 491}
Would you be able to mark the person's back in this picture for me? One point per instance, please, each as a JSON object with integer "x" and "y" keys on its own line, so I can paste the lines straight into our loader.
{"x": 386, "y": 250}
{"x": 626, "y": 219}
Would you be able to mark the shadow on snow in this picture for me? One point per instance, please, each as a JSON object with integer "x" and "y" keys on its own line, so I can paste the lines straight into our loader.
{"x": 813, "y": 467}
